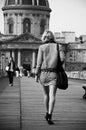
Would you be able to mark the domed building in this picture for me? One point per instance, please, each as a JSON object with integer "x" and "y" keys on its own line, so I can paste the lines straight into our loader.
{"x": 24, "y": 23}
{"x": 22, "y": 16}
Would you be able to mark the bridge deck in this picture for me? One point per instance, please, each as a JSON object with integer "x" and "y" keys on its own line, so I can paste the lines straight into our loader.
{"x": 21, "y": 106}
{"x": 9, "y": 105}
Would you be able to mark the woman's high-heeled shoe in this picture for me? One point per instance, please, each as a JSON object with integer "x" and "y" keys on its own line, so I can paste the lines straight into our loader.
{"x": 50, "y": 122}
{"x": 48, "y": 119}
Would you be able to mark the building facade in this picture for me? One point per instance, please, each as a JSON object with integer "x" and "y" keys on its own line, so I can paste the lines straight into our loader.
{"x": 76, "y": 56}
{"x": 22, "y": 16}
{"x": 75, "y": 50}
{"x": 24, "y": 23}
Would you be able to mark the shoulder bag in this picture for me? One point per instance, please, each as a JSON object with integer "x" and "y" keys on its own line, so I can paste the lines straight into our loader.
{"x": 62, "y": 79}
{"x": 7, "y": 68}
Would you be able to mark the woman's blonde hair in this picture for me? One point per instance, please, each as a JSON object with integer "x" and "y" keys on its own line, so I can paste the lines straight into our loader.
{"x": 47, "y": 36}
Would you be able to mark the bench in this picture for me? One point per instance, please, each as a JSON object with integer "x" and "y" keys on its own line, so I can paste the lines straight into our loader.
{"x": 84, "y": 87}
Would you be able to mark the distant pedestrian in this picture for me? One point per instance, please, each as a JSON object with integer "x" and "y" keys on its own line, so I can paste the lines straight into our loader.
{"x": 17, "y": 71}
{"x": 28, "y": 70}
{"x": 21, "y": 70}
{"x": 46, "y": 71}
{"x": 11, "y": 71}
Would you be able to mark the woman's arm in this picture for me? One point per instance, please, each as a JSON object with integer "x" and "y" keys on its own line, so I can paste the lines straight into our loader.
{"x": 39, "y": 62}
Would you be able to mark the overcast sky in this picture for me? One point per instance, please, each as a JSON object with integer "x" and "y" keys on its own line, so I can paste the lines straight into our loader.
{"x": 66, "y": 15}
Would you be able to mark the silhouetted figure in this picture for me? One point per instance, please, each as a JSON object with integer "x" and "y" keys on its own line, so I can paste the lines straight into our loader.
{"x": 17, "y": 71}
{"x": 11, "y": 71}
{"x": 28, "y": 70}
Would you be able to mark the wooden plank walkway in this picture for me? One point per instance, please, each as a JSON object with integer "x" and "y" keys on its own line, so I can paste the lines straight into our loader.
{"x": 9, "y": 105}
{"x": 22, "y": 108}
{"x": 69, "y": 112}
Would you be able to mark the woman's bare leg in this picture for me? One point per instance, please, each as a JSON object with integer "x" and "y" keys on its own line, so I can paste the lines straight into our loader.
{"x": 52, "y": 95}
{"x": 46, "y": 97}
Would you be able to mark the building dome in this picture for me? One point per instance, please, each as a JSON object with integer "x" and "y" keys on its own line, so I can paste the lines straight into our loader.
{"x": 19, "y": 4}
{"x": 22, "y": 16}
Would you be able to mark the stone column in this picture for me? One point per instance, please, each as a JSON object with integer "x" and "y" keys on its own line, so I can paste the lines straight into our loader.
{"x": 5, "y": 24}
{"x": 47, "y": 22}
{"x": 2, "y": 61}
{"x": 16, "y": 23}
{"x": 20, "y": 2}
{"x": 13, "y": 55}
{"x": 19, "y": 58}
{"x": 19, "y": 24}
{"x": 32, "y": 2}
{"x": 33, "y": 61}
{"x": 15, "y": 2}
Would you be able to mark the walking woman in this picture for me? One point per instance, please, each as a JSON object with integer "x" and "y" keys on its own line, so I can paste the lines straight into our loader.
{"x": 46, "y": 71}
{"x": 11, "y": 65}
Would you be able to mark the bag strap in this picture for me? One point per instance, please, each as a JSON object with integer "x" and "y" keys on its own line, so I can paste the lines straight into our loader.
{"x": 59, "y": 60}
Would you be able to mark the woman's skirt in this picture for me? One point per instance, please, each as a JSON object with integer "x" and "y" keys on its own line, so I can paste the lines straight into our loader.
{"x": 48, "y": 78}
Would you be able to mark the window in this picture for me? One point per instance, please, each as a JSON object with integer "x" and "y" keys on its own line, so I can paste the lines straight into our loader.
{"x": 42, "y": 2}
{"x": 27, "y": 2}
{"x": 10, "y": 25}
{"x": 35, "y": 2}
{"x": 10, "y": 28}
{"x": 42, "y": 26}
{"x": 11, "y": 2}
{"x": 26, "y": 25}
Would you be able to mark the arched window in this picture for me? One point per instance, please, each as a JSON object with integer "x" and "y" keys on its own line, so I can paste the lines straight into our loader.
{"x": 42, "y": 26}
{"x": 10, "y": 25}
{"x": 27, "y": 2}
{"x": 26, "y": 25}
{"x": 42, "y": 2}
{"x": 11, "y": 2}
